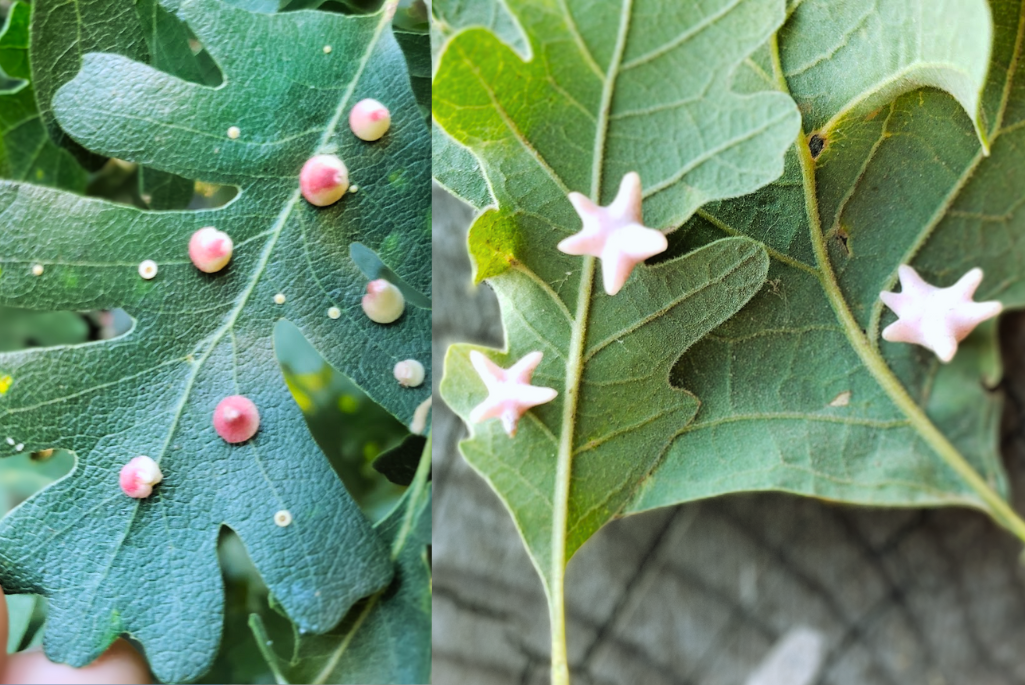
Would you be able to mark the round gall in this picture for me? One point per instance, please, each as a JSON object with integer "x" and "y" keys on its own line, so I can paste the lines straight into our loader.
{"x": 409, "y": 373}
{"x": 210, "y": 250}
{"x": 324, "y": 180}
{"x": 369, "y": 120}
{"x": 139, "y": 476}
{"x": 383, "y": 302}
{"x": 236, "y": 419}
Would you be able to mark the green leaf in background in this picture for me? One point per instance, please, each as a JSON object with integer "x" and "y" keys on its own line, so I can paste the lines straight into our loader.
{"x": 592, "y": 105}
{"x": 20, "y": 609}
{"x": 152, "y": 568}
{"x": 455, "y": 167}
{"x": 20, "y": 328}
{"x": 62, "y": 34}
{"x": 844, "y": 415}
{"x": 26, "y": 151}
{"x": 386, "y": 638}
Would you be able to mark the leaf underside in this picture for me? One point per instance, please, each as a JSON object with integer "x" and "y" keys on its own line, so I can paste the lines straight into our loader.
{"x": 539, "y": 129}
{"x": 111, "y": 565}
{"x": 782, "y": 399}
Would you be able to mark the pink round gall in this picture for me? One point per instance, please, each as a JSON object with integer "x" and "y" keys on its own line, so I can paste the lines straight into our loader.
{"x": 369, "y": 120}
{"x": 210, "y": 250}
{"x": 236, "y": 419}
{"x": 324, "y": 180}
{"x": 139, "y": 476}
{"x": 383, "y": 302}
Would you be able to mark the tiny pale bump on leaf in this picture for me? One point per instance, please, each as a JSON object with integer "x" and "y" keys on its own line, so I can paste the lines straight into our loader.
{"x": 37, "y": 270}
{"x": 148, "y": 269}
{"x": 383, "y": 302}
{"x": 236, "y": 419}
{"x": 324, "y": 180}
{"x": 409, "y": 373}
{"x": 369, "y": 120}
{"x": 334, "y": 313}
{"x": 327, "y": 49}
{"x": 234, "y": 132}
{"x": 210, "y": 250}
{"x": 283, "y": 518}
{"x": 138, "y": 477}
{"x": 279, "y": 298}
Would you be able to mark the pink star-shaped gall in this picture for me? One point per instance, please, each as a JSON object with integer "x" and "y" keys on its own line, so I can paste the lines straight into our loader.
{"x": 615, "y": 233}
{"x": 936, "y": 318}
{"x": 510, "y": 393}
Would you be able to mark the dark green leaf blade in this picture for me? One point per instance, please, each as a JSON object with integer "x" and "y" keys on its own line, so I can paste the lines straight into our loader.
{"x": 26, "y": 151}
{"x": 387, "y": 638}
{"x": 198, "y": 338}
{"x": 62, "y": 34}
{"x": 897, "y": 185}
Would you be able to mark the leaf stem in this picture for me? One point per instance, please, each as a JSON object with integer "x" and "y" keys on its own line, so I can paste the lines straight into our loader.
{"x": 563, "y": 471}
{"x": 998, "y": 508}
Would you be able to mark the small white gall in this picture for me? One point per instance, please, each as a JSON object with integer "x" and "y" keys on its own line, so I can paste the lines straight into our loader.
{"x": 139, "y": 476}
{"x": 148, "y": 269}
{"x": 324, "y": 180}
{"x": 279, "y": 298}
{"x": 234, "y": 132}
{"x": 210, "y": 250}
{"x": 37, "y": 270}
{"x": 236, "y": 419}
{"x": 383, "y": 302}
{"x": 334, "y": 313}
{"x": 369, "y": 120}
{"x": 327, "y": 49}
{"x": 10, "y": 441}
{"x": 409, "y": 373}
{"x": 19, "y": 447}
{"x": 283, "y": 518}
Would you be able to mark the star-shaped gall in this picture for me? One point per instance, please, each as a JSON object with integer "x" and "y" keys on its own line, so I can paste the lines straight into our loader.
{"x": 615, "y": 233}
{"x": 936, "y": 318}
{"x": 510, "y": 393}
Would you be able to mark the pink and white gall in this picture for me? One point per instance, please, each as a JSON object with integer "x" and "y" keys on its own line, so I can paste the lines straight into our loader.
{"x": 210, "y": 250}
{"x": 936, "y": 318}
{"x": 615, "y": 234}
{"x": 369, "y": 120}
{"x": 510, "y": 393}
{"x": 324, "y": 180}
{"x": 236, "y": 419}
{"x": 383, "y": 302}
{"x": 139, "y": 476}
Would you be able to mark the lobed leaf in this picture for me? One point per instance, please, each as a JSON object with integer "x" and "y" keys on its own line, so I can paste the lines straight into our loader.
{"x": 579, "y": 115}
{"x": 151, "y": 568}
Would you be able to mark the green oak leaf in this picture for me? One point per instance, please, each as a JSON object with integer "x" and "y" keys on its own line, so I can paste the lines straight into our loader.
{"x": 151, "y": 568}
{"x": 387, "y": 637}
{"x": 455, "y": 167}
{"x": 26, "y": 151}
{"x": 579, "y": 115}
{"x": 844, "y": 415}
{"x": 62, "y": 34}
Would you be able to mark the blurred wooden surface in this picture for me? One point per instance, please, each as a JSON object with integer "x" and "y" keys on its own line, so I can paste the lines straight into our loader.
{"x": 700, "y": 594}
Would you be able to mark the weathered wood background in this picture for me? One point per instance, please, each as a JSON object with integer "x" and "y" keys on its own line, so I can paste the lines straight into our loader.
{"x": 701, "y": 594}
